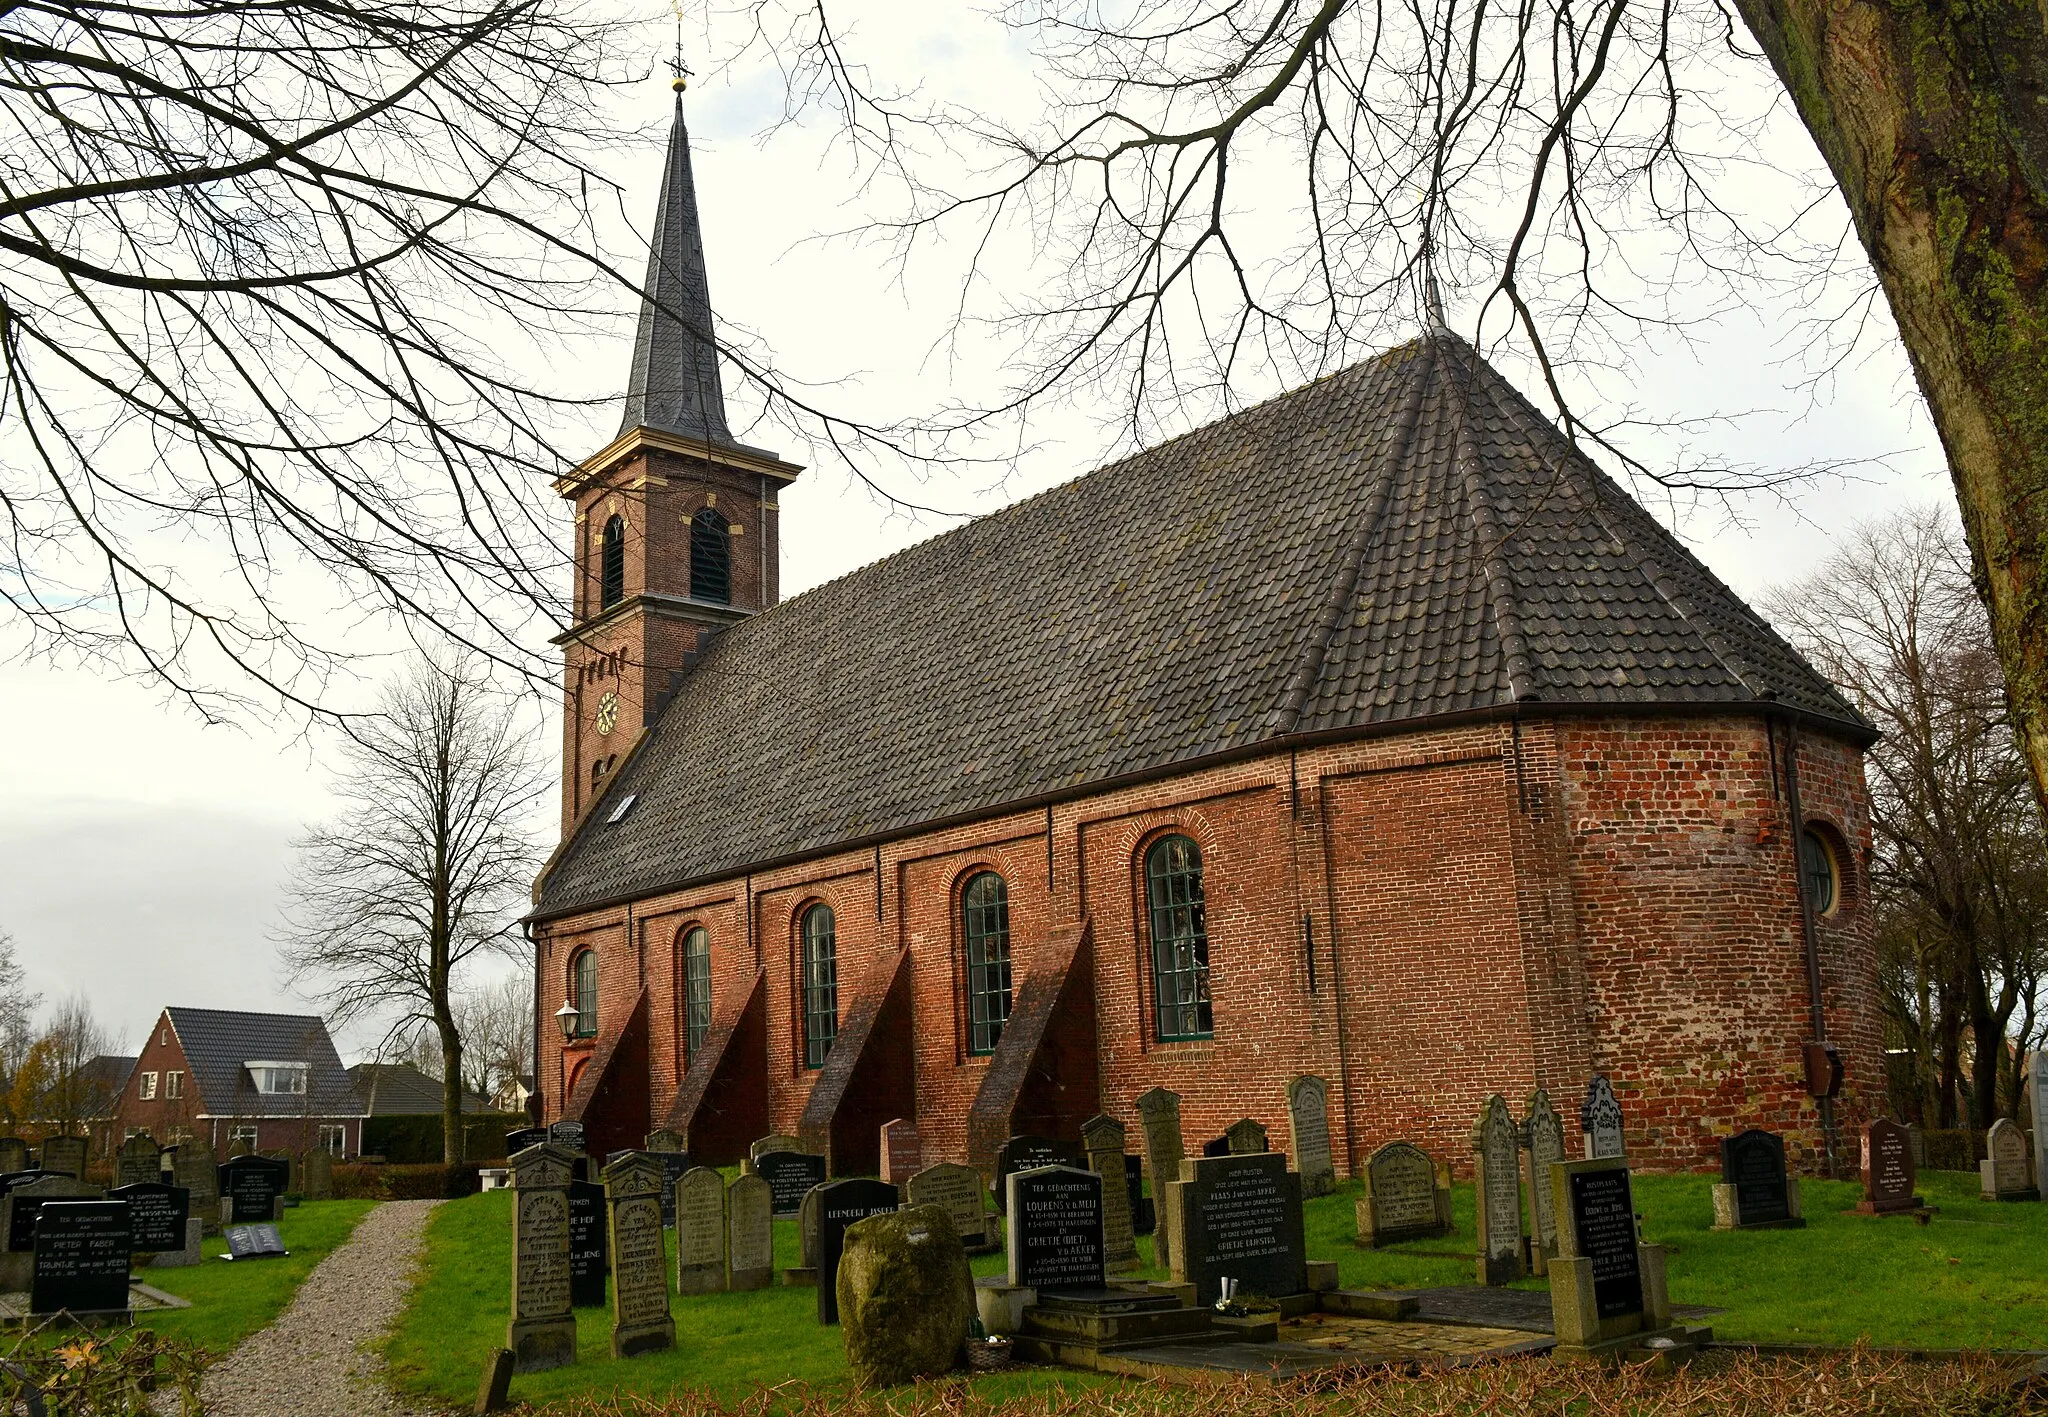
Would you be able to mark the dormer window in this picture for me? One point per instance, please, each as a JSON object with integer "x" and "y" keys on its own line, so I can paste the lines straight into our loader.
{"x": 273, "y": 1079}
{"x": 711, "y": 557}
{"x": 611, "y": 576}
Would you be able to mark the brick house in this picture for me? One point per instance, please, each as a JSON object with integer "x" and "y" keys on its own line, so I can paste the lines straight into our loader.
{"x": 223, "y": 1075}
{"x": 1372, "y": 733}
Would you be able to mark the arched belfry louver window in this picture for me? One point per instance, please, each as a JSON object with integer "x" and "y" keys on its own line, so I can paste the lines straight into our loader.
{"x": 821, "y": 984}
{"x": 611, "y": 574}
{"x": 1180, "y": 939}
{"x": 985, "y": 927}
{"x": 711, "y": 556}
{"x": 696, "y": 989}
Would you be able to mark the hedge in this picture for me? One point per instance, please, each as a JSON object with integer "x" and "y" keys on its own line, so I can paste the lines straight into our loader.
{"x": 406, "y": 1183}
{"x": 1953, "y": 1148}
{"x": 416, "y": 1139}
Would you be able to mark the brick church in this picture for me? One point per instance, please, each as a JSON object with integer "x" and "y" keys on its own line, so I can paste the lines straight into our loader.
{"x": 1372, "y": 733}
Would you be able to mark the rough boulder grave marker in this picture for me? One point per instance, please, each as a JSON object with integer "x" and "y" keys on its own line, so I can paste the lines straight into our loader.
{"x": 1102, "y": 1138}
{"x": 252, "y": 1188}
{"x": 1240, "y": 1218}
{"x": 1756, "y": 1192}
{"x": 160, "y": 1220}
{"x": 902, "y": 1154}
{"x": 840, "y": 1204}
{"x": 64, "y": 1156}
{"x": 1159, "y": 1118}
{"x": 905, "y": 1295}
{"x": 589, "y": 1257}
{"x": 82, "y": 1255}
{"x": 2003, "y": 1171}
{"x": 1308, "y": 1114}
{"x": 1542, "y": 1137}
{"x": 1497, "y": 1183}
{"x": 542, "y": 1333}
{"x": 750, "y": 1242}
{"x": 958, "y": 1191}
{"x": 790, "y": 1176}
{"x": 1055, "y": 1229}
{"x": 701, "y": 1232}
{"x": 1246, "y": 1137}
{"x": 1600, "y": 1120}
{"x": 1888, "y": 1169}
{"x": 1026, "y": 1152}
{"x": 641, "y": 1321}
{"x": 1402, "y": 1200}
{"x": 138, "y": 1162}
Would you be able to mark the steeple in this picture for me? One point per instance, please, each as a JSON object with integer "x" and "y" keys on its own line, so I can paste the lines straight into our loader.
{"x": 673, "y": 386}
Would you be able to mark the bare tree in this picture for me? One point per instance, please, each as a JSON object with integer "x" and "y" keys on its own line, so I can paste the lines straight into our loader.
{"x": 424, "y": 868}
{"x": 1962, "y": 866}
{"x": 17, "y": 1016}
{"x": 497, "y": 1024}
{"x": 62, "y": 1083}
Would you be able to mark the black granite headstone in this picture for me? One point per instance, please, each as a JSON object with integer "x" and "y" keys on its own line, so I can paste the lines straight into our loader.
{"x": 82, "y": 1255}
{"x": 674, "y": 1164}
{"x": 1056, "y": 1239}
{"x": 569, "y": 1134}
{"x": 589, "y": 1265}
{"x": 1026, "y": 1152}
{"x": 1604, "y": 1220}
{"x": 1219, "y": 1147}
{"x": 1753, "y": 1162}
{"x": 156, "y": 1215}
{"x": 840, "y": 1204}
{"x": 253, "y": 1184}
{"x": 1240, "y": 1218}
{"x": 21, "y": 1235}
{"x": 1144, "y": 1215}
{"x": 518, "y": 1141}
{"x": 790, "y": 1176}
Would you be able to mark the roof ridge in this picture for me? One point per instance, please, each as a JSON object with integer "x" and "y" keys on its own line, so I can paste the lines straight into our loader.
{"x": 1493, "y": 538}
{"x": 1400, "y": 436}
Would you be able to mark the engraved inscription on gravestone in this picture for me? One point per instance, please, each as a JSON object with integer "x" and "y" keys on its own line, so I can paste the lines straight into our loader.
{"x": 1245, "y": 1137}
{"x": 1026, "y": 1152}
{"x": 956, "y": 1190}
{"x": 1402, "y": 1200}
{"x": 1308, "y": 1112}
{"x": 589, "y": 1259}
{"x": 542, "y": 1331}
{"x": 700, "y": 1232}
{"x": 1543, "y": 1141}
{"x": 750, "y": 1244}
{"x": 156, "y": 1215}
{"x": 790, "y": 1176}
{"x": 1240, "y": 1218}
{"x": 2004, "y": 1169}
{"x": 253, "y": 1186}
{"x": 81, "y": 1258}
{"x": 1496, "y": 1162}
{"x": 1055, "y": 1229}
{"x": 1102, "y": 1137}
{"x": 64, "y": 1156}
{"x": 641, "y": 1322}
{"x": 137, "y": 1161}
{"x": 902, "y": 1155}
{"x": 1888, "y": 1170}
{"x": 1600, "y": 1120}
{"x": 26, "y": 1197}
{"x": 1753, "y": 1162}
{"x": 1603, "y": 1222}
{"x": 778, "y": 1142}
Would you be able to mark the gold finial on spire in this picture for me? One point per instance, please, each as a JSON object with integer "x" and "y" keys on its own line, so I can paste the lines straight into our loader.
{"x": 680, "y": 70}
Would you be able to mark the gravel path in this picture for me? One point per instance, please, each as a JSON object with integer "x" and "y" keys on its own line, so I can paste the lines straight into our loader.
{"x": 313, "y": 1362}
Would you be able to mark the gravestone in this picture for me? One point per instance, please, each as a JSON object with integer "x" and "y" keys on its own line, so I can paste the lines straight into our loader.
{"x": 666, "y": 1139}
{"x": 193, "y": 1167}
{"x": 1888, "y": 1170}
{"x": 2003, "y": 1171}
{"x": 1240, "y": 1218}
{"x": 26, "y": 1197}
{"x": 138, "y": 1160}
{"x": 1055, "y": 1215}
{"x": 750, "y": 1242}
{"x": 13, "y": 1155}
{"x": 699, "y": 1205}
{"x": 1245, "y": 1137}
{"x": 318, "y": 1184}
{"x": 159, "y": 1217}
{"x": 1402, "y": 1200}
{"x": 568, "y": 1135}
{"x": 1542, "y": 1137}
{"x": 1159, "y": 1119}
{"x": 778, "y": 1142}
{"x": 790, "y": 1176}
{"x": 2037, "y": 1078}
{"x": 807, "y": 1231}
{"x": 542, "y": 1333}
{"x": 589, "y": 1256}
{"x": 1916, "y": 1142}
{"x": 1144, "y": 1219}
{"x": 840, "y": 1204}
{"x": 641, "y": 1322}
{"x": 905, "y": 1295}
{"x": 1308, "y": 1114}
{"x": 252, "y": 1188}
{"x": 902, "y": 1156}
{"x": 1755, "y": 1191}
{"x": 1102, "y": 1138}
{"x": 1497, "y": 1193}
{"x": 518, "y": 1140}
{"x": 1216, "y": 1146}
{"x": 1606, "y": 1287}
{"x": 64, "y": 1156}
{"x": 958, "y": 1191}
{"x": 1026, "y": 1152}
{"x": 1600, "y": 1120}
{"x": 81, "y": 1258}
{"x": 255, "y": 1242}
{"x": 666, "y": 1146}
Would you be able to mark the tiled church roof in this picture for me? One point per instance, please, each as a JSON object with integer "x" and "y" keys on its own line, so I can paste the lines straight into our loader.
{"x": 1403, "y": 540}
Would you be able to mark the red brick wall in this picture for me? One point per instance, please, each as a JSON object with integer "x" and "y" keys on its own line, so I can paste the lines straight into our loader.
{"x": 1491, "y": 908}
{"x": 164, "y": 1115}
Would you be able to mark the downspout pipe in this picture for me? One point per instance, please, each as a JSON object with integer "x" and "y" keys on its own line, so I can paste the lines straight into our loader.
{"x": 1830, "y": 1137}
{"x": 526, "y": 928}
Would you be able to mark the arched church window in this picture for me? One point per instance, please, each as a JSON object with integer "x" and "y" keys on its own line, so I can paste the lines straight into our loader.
{"x": 821, "y": 984}
{"x": 1180, "y": 939}
{"x": 696, "y": 989}
{"x": 711, "y": 556}
{"x": 611, "y": 575}
{"x": 1817, "y": 870}
{"x": 985, "y": 926}
{"x": 583, "y": 988}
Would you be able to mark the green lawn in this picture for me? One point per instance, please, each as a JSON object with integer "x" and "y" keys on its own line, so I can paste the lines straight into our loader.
{"x": 1971, "y": 1279}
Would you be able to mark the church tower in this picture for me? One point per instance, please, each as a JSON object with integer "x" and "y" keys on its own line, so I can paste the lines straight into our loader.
{"x": 675, "y": 534}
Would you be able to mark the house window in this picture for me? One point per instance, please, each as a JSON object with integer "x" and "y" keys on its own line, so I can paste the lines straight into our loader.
{"x": 1180, "y": 939}
{"x": 611, "y": 575}
{"x": 583, "y": 985}
{"x": 985, "y": 926}
{"x": 146, "y": 1086}
{"x": 174, "y": 1084}
{"x": 279, "y": 1079}
{"x": 1817, "y": 869}
{"x": 710, "y": 556}
{"x": 247, "y": 1134}
{"x": 333, "y": 1138}
{"x": 696, "y": 989}
{"x": 821, "y": 985}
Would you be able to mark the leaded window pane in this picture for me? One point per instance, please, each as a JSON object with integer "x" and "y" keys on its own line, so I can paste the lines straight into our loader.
{"x": 711, "y": 556}
{"x": 586, "y": 994}
{"x": 985, "y": 908}
{"x": 1180, "y": 939}
{"x": 696, "y": 989}
{"x": 1819, "y": 870}
{"x": 821, "y": 985}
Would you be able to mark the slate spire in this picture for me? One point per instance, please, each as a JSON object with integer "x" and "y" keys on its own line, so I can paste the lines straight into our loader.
{"x": 673, "y": 385}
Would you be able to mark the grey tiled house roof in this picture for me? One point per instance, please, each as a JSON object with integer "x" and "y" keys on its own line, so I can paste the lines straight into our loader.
{"x": 220, "y": 1043}
{"x": 1401, "y": 541}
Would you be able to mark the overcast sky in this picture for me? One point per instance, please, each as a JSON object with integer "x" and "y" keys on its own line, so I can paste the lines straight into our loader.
{"x": 141, "y": 852}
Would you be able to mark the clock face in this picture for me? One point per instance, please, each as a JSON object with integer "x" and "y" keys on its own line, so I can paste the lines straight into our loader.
{"x": 607, "y": 712}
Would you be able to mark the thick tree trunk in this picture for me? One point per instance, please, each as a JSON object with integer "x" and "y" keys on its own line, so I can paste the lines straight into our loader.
{"x": 1934, "y": 118}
